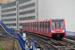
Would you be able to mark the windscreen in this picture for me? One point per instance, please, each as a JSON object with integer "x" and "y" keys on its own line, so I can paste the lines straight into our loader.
{"x": 58, "y": 24}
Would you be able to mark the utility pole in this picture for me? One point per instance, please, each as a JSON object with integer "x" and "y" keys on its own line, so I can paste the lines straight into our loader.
{"x": 17, "y": 9}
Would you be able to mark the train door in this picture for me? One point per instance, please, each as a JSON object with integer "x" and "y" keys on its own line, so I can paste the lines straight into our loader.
{"x": 47, "y": 27}
{"x": 36, "y": 27}
{"x": 44, "y": 26}
{"x": 32, "y": 26}
{"x": 41, "y": 26}
{"x": 28, "y": 26}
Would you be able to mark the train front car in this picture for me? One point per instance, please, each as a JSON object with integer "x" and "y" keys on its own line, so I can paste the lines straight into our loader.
{"x": 58, "y": 29}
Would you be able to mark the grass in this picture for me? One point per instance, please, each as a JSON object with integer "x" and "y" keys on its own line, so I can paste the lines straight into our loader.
{"x": 2, "y": 48}
{"x": 0, "y": 34}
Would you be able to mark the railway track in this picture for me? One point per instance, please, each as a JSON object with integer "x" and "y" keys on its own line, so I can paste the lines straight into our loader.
{"x": 42, "y": 43}
{"x": 51, "y": 44}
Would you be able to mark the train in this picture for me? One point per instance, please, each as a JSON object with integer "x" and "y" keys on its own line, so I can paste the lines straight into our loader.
{"x": 54, "y": 28}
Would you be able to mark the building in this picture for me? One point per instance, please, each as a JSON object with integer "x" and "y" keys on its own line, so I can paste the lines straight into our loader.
{"x": 27, "y": 11}
{"x": 33, "y": 10}
{"x": 15, "y": 13}
{"x": 9, "y": 14}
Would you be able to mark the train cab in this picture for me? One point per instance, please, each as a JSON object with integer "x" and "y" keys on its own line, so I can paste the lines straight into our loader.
{"x": 58, "y": 27}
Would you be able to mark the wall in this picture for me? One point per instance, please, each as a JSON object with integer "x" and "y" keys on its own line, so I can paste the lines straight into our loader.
{"x": 48, "y": 9}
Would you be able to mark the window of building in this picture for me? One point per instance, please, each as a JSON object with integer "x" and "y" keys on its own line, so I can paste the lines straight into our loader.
{"x": 27, "y": 6}
{"x": 8, "y": 5}
{"x": 27, "y": 18}
{"x": 20, "y": 24}
{"x": 23, "y": 1}
{"x": 8, "y": 10}
{"x": 9, "y": 15}
{"x": 14, "y": 24}
{"x": 9, "y": 19}
{"x": 27, "y": 12}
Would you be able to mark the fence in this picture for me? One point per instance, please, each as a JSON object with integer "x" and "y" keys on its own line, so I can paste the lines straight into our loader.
{"x": 70, "y": 35}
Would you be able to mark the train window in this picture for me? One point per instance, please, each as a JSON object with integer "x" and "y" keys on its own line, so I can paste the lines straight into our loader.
{"x": 36, "y": 24}
{"x": 24, "y": 24}
{"x": 57, "y": 25}
{"x": 46, "y": 25}
{"x": 32, "y": 24}
{"x": 28, "y": 24}
{"x": 62, "y": 25}
{"x": 49, "y": 24}
{"x": 41, "y": 24}
{"x": 53, "y": 25}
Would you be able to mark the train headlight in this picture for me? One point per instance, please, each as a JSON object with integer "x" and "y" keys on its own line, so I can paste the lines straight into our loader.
{"x": 52, "y": 31}
{"x": 63, "y": 31}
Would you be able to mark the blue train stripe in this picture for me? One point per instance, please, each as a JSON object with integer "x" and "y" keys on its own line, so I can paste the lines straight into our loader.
{"x": 29, "y": 28}
{"x": 65, "y": 30}
{"x": 50, "y": 30}
{"x": 38, "y": 28}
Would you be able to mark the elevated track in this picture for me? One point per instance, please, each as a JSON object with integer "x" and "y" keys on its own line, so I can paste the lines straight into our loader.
{"x": 51, "y": 44}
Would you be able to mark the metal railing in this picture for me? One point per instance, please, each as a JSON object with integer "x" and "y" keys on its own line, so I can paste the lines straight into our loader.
{"x": 8, "y": 33}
